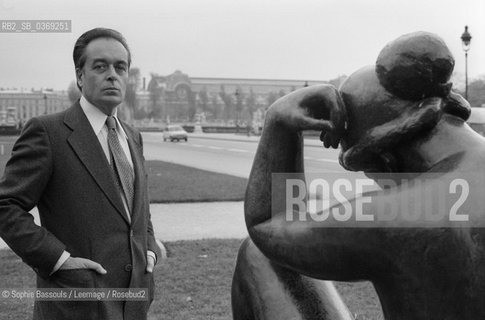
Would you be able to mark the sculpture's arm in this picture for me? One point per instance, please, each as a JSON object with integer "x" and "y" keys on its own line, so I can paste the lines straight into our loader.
{"x": 280, "y": 149}
{"x": 309, "y": 249}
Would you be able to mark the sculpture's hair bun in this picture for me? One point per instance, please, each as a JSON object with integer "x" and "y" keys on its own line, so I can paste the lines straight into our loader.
{"x": 415, "y": 66}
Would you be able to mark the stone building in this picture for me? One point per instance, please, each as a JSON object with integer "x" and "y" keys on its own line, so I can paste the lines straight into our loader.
{"x": 23, "y": 104}
{"x": 178, "y": 97}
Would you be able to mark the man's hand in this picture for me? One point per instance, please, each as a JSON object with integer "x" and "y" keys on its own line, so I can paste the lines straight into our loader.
{"x": 150, "y": 263}
{"x": 317, "y": 107}
{"x": 82, "y": 263}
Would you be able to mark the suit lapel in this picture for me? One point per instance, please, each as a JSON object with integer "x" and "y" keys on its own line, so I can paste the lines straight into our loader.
{"x": 137, "y": 158}
{"x": 86, "y": 145}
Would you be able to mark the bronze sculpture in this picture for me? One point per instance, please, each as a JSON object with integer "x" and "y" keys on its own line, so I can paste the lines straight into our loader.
{"x": 399, "y": 116}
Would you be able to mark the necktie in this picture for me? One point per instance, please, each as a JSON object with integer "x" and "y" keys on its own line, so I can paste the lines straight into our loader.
{"x": 123, "y": 172}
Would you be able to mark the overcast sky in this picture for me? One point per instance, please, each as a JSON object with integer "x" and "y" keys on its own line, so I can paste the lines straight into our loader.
{"x": 268, "y": 39}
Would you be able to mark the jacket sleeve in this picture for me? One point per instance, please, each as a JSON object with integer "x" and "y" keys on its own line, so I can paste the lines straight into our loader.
{"x": 21, "y": 187}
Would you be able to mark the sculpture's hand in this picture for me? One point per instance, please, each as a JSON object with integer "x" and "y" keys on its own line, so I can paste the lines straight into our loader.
{"x": 317, "y": 107}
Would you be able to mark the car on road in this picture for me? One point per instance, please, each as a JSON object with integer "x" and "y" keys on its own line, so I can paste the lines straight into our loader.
{"x": 477, "y": 120}
{"x": 174, "y": 133}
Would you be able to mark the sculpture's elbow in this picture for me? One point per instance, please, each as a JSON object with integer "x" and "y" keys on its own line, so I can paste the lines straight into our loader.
{"x": 254, "y": 214}
{"x": 253, "y": 221}
{"x": 262, "y": 236}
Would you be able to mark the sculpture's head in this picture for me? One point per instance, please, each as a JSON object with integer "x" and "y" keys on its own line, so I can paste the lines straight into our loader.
{"x": 398, "y": 100}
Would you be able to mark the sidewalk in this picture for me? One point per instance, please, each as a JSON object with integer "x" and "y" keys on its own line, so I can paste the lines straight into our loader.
{"x": 192, "y": 221}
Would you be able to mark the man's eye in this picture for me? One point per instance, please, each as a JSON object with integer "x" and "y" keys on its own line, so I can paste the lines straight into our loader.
{"x": 100, "y": 67}
{"x": 121, "y": 68}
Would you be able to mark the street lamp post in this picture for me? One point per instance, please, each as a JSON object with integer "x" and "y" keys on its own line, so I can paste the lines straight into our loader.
{"x": 466, "y": 42}
{"x": 45, "y": 103}
{"x": 237, "y": 107}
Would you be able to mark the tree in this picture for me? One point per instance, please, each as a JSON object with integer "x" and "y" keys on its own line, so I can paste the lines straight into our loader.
{"x": 155, "y": 90}
{"x": 239, "y": 98}
{"x": 227, "y": 99}
{"x": 131, "y": 88}
{"x": 192, "y": 105}
{"x": 476, "y": 92}
{"x": 251, "y": 104}
{"x": 73, "y": 92}
{"x": 239, "y": 105}
{"x": 216, "y": 106}
{"x": 271, "y": 98}
{"x": 203, "y": 99}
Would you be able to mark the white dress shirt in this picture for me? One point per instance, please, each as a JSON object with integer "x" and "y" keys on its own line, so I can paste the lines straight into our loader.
{"x": 97, "y": 119}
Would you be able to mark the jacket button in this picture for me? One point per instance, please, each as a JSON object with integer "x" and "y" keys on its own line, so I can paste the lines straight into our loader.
{"x": 128, "y": 267}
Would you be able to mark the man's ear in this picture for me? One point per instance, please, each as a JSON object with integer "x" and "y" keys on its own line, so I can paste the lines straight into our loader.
{"x": 79, "y": 77}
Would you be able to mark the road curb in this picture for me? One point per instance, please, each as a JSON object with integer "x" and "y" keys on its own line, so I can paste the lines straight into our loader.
{"x": 223, "y": 138}
{"x": 307, "y": 143}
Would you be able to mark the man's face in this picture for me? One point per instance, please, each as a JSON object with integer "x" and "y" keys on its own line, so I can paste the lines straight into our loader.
{"x": 104, "y": 75}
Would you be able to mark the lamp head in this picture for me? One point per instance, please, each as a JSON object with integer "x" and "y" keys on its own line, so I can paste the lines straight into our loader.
{"x": 466, "y": 39}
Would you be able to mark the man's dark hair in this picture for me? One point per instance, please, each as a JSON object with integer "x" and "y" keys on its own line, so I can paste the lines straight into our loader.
{"x": 83, "y": 41}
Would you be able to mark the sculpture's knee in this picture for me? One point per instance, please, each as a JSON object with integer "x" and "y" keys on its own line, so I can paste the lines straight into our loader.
{"x": 258, "y": 292}
{"x": 264, "y": 290}
{"x": 242, "y": 292}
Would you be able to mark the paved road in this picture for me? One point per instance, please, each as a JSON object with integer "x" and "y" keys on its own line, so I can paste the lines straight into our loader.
{"x": 224, "y": 156}
{"x": 230, "y": 154}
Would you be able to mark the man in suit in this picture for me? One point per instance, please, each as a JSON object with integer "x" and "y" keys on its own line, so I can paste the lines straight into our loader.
{"x": 84, "y": 170}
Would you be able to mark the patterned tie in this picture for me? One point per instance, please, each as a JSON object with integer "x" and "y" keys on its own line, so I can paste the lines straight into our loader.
{"x": 123, "y": 172}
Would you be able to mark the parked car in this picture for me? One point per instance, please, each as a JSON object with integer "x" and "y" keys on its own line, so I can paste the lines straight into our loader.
{"x": 477, "y": 120}
{"x": 174, "y": 133}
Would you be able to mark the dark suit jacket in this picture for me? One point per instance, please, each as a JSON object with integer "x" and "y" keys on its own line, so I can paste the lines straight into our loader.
{"x": 58, "y": 164}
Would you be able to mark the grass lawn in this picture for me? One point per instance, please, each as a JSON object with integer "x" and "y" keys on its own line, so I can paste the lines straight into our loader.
{"x": 193, "y": 283}
{"x": 168, "y": 182}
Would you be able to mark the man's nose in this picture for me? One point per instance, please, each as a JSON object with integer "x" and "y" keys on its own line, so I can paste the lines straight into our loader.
{"x": 111, "y": 73}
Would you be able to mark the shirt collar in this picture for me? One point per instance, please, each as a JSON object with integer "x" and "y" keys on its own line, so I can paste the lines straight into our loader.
{"x": 97, "y": 118}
